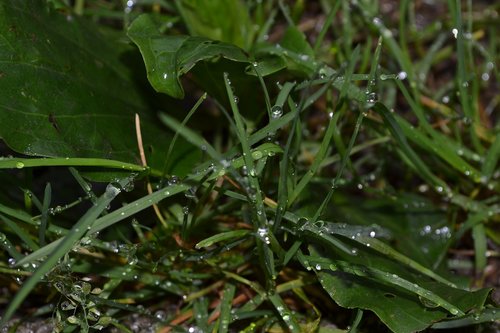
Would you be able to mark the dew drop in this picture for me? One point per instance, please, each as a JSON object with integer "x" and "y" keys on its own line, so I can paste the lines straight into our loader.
{"x": 402, "y": 75}
{"x": 276, "y": 112}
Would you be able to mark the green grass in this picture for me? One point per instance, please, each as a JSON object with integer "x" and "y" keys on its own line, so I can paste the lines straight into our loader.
{"x": 342, "y": 174}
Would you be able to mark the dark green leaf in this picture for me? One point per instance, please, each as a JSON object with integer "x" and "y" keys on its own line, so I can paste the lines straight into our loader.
{"x": 169, "y": 57}
{"x": 64, "y": 91}
{"x": 400, "y": 310}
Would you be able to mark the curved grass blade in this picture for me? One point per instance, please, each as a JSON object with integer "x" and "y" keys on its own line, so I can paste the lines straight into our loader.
{"x": 229, "y": 235}
{"x": 7, "y": 245}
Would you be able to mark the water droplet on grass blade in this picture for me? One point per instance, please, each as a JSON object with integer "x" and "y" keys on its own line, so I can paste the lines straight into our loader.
{"x": 276, "y": 112}
{"x": 263, "y": 234}
{"x": 402, "y": 75}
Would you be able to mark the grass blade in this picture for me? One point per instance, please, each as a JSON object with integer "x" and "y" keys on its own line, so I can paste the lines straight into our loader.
{"x": 400, "y": 138}
{"x": 45, "y": 214}
{"x": 78, "y": 230}
{"x": 253, "y": 192}
{"x": 207, "y": 242}
{"x": 225, "y": 307}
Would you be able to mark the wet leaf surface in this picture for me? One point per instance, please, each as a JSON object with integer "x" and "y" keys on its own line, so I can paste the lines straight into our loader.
{"x": 64, "y": 91}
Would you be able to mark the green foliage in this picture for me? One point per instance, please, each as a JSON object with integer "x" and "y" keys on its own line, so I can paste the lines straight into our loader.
{"x": 321, "y": 175}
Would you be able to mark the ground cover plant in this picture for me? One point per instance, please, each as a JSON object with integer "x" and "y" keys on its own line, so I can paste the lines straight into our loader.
{"x": 249, "y": 166}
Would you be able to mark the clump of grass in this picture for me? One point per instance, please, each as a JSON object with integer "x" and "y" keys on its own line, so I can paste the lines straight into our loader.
{"x": 345, "y": 194}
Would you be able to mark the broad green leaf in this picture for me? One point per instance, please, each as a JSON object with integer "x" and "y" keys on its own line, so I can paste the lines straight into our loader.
{"x": 167, "y": 58}
{"x": 399, "y": 310}
{"x": 64, "y": 91}
{"x": 402, "y": 308}
{"x": 223, "y": 20}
